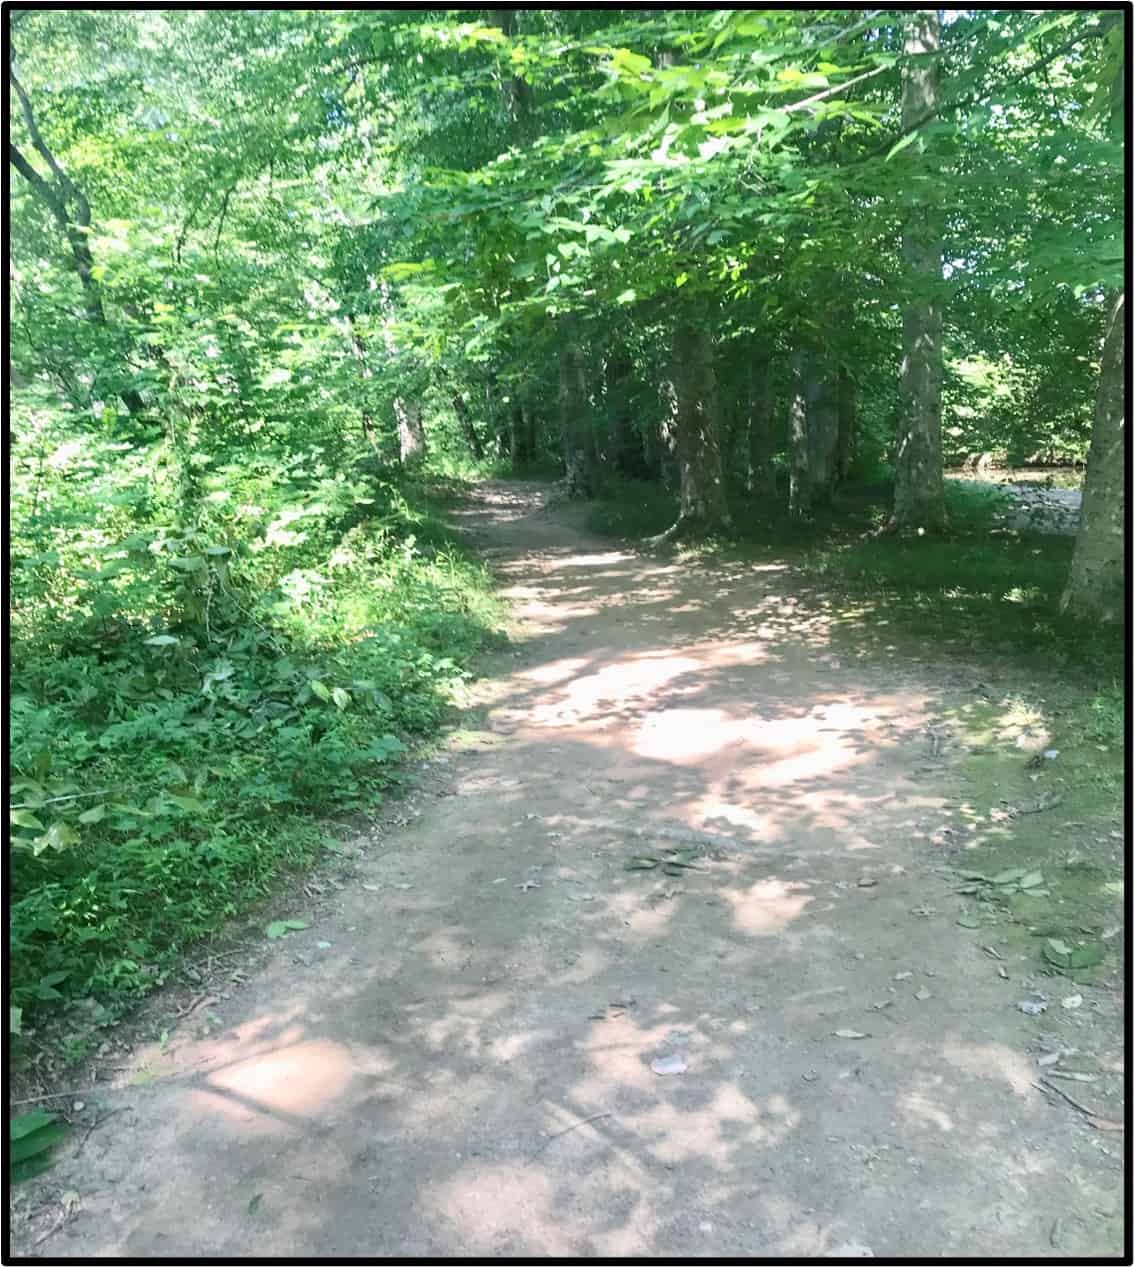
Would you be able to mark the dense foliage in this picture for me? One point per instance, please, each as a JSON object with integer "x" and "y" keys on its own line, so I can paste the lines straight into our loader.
{"x": 273, "y": 270}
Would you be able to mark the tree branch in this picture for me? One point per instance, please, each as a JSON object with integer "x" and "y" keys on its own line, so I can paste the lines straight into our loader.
{"x": 66, "y": 185}
{"x": 42, "y": 188}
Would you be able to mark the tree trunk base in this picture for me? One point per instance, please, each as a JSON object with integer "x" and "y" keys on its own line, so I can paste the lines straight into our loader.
{"x": 688, "y": 528}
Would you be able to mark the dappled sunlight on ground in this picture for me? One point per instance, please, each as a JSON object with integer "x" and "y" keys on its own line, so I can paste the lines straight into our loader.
{"x": 768, "y": 906}
{"x": 297, "y": 1081}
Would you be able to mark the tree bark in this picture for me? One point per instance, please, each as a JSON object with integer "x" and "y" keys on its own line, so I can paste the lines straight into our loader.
{"x": 358, "y": 349}
{"x": 799, "y": 486}
{"x": 573, "y": 416}
{"x": 704, "y": 508}
{"x": 468, "y": 427}
{"x": 515, "y": 92}
{"x": 846, "y": 408}
{"x": 761, "y": 481}
{"x": 919, "y": 487}
{"x": 822, "y": 423}
{"x": 411, "y": 432}
{"x": 1096, "y": 588}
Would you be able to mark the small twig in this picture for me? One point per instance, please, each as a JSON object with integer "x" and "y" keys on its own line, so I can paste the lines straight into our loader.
{"x": 1044, "y": 1085}
{"x": 53, "y": 1095}
{"x": 97, "y": 1123}
{"x": 54, "y": 800}
{"x": 830, "y": 92}
{"x": 51, "y": 1230}
{"x": 574, "y": 1126}
{"x": 196, "y": 1003}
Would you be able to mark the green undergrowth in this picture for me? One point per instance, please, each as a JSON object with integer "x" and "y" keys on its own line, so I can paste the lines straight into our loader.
{"x": 194, "y": 694}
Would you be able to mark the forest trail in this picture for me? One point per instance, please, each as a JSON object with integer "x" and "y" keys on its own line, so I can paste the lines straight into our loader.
{"x": 456, "y": 1057}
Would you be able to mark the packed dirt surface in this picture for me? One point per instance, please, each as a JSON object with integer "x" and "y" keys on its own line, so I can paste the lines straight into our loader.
{"x": 497, "y": 1039}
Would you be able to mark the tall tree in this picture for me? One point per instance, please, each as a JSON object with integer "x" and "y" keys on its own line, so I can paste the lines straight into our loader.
{"x": 703, "y": 506}
{"x": 1096, "y": 589}
{"x": 919, "y": 489}
{"x": 574, "y": 414}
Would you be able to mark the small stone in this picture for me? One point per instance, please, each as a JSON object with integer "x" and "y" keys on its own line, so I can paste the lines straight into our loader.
{"x": 666, "y": 1065}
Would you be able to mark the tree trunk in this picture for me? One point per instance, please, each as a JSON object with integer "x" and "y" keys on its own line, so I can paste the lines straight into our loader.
{"x": 919, "y": 487}
{"x": 761, "y": 482}
{"x": 573, "y": 416}
{"x": 515, "y": 92}
{"x": 516, "y": 434}
{"x": 822, "y": 424}
{"x": 468, "y": 427}
{"x": 529, "y": 421}
{"x": 411, "y": 432}
{"x": 799, "y": 488}
{"x": 358, "y": 350}
{"x": 696, "y": 428}
{"x": 1097, "y": 585}
{"x": 846, "y": 410}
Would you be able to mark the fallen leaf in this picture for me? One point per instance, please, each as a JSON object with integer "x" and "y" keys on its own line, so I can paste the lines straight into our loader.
{"x": 849, "y": 1033}
{"x": 923, "y": 994}
{"x": 1071, "y": 1002}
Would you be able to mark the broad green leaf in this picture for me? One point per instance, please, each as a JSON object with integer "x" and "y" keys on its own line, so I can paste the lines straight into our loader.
{"x": 188, "y": 803}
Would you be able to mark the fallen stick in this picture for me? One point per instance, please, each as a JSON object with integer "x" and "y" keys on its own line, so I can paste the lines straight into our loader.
{"x": 1044, "y": 1085}
{"x": 566, "y": 1130}
{"x": 58, "y": 1095}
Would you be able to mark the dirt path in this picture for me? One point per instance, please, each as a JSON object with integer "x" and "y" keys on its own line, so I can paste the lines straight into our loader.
{"x": 455, "y": 1059}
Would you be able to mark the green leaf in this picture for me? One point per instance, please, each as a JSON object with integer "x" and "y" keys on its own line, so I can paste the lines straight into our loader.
{"x": 95, "y": 815}
{"x": 188, "y": 803}
{"x": 23, "y": 1170}
{"x": 58, "y": 836}
{"x": 26, "y": 1123}
{"x": 24, "y": 818}
{"x": 319, "y": 689}
{"x": 37, "y": 1141}
{"x": 15, "y": 1020}
{"x": 341, "y": 698}
{"x": 1087, "y": 956}
{"x": 908, "y": 139}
